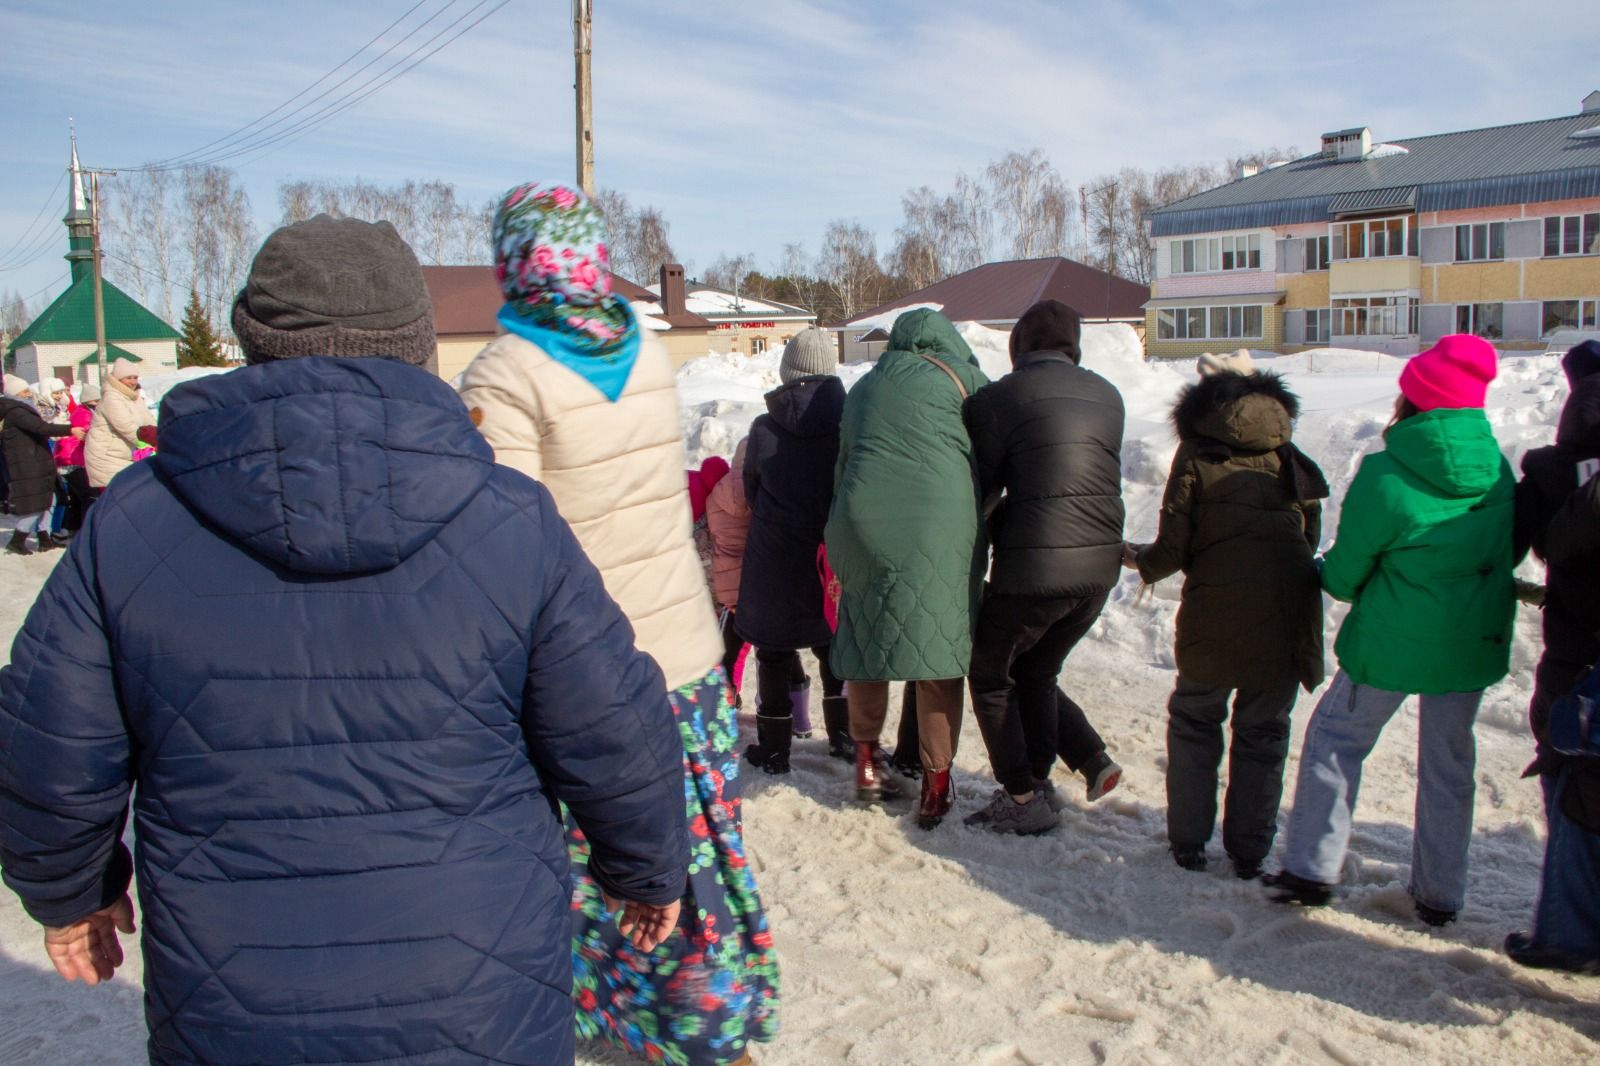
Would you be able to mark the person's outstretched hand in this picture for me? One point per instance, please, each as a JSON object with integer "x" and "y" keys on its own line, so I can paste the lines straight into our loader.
{"x": 89, "y": 951}
{"x": 1130, "y": 556}
{"x": 644, "y": 924}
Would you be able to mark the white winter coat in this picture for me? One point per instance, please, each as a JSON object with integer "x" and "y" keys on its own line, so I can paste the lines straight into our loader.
{"x": 617, "y": 472}
{"x": 113, "y": 435}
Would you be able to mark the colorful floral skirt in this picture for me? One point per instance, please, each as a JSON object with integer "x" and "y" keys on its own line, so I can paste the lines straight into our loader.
{"x": 711, "y": 987}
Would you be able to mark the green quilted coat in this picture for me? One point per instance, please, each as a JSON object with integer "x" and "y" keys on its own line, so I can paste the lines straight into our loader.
{"x": 904, "y": 532}
{"x": 1424, "y": 556}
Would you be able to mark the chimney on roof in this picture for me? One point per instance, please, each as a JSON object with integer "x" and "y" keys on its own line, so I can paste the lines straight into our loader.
{"x": 1346, "y": 145}
{"x": 1591, "y": 102}
{"x": 672, "y": 297}
{"x": 1248, "y": 170}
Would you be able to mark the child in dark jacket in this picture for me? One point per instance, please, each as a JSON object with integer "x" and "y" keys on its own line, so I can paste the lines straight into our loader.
{"x": 1241, "y": 518}
{"x": 788, "y": 480}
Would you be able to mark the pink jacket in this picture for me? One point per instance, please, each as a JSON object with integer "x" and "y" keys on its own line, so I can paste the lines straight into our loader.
{"x": 728, "y": 516}
{"x": 69, "y": 452}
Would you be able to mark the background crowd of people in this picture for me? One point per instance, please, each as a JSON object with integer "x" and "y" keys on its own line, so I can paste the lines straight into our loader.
{"x": 426, "y": 701}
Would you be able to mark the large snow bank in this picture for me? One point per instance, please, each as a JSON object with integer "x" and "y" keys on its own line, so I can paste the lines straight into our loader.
{"x": 156, "y": 386}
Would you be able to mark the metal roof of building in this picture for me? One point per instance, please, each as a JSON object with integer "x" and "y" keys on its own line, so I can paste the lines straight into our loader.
{"x": 70, "y": 318}
{"x": 1522, "y": 163}
{"x": 1355, "y": 203}
{"x": 1000, "y": 292}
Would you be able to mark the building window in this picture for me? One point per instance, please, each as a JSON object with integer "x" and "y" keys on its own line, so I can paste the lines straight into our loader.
{"x": 1206, "y": 255}
{"x": 1570, "y": 314}
{"x": 1484, "y": 240}
{"x": 1375, "y": 316}
{"x": 1482, "y": 320}
{"x": 1316, "y": 253}
{"x": 1377, "y": 238}
{"x": 1318, "y": 320}
{"x": 758, "y": 345}
{"x": 1209, "y": 323}
{"x": 1572, "y": 235}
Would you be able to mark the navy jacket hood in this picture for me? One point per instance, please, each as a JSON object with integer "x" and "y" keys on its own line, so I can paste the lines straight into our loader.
{"x": 331, "y": 466}
{"x": 810, "y": 407}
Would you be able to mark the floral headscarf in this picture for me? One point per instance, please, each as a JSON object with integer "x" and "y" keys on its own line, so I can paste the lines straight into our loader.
{"x": 551, "y": 262}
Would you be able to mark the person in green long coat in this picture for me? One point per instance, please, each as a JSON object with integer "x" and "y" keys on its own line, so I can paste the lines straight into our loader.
{"x": 1424, "y": 556}
{"x": 905, "y": 538}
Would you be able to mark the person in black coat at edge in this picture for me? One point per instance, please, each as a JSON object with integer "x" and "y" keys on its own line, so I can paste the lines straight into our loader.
{"x": 1549, "y": 476}
{"x": 1047, "y": 439}
{"x": 1558, "y": 516}
{"x": 31, "y": 466}
{"x": 345, "y": 667}
{"x": 788, "y": 482}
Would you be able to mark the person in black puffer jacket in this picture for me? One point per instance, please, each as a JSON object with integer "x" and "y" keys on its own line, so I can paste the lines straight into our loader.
{"x": 1048, "y": 436}
{"x": 25, "y": 440}
{"x": 788, "y": 483}
{"x": 1549, "y": 476}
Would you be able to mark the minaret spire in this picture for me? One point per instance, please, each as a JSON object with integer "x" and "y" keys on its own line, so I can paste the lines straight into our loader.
{"x": 80, "y": 224}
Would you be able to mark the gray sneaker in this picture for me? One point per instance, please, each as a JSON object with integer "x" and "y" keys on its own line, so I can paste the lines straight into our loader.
{"x": 1047, "y": 789}
{"x": 1005, "y": 815}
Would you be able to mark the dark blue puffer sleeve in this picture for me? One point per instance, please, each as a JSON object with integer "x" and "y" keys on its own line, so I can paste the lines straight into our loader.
{"x": 600, "y": 729}
{"x": 64, "y": 753}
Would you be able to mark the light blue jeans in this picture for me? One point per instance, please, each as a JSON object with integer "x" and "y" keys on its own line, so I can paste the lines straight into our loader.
{"x": 1342, "y": 732}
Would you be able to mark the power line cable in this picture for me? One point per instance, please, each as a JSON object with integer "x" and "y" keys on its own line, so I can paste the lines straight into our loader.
{"x": 28, "y": 234}
{"x": 33, "y": 253}
{"x": 388, "y": 76}
{"x": 174, "y": 162}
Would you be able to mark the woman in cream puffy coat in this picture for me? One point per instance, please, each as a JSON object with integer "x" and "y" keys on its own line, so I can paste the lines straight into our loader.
{"x": 114, "y": 433}
{"x": 579, "y": 396}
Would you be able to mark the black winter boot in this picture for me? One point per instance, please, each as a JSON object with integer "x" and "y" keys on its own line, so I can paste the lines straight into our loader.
{"x": 836, "y": 720}
{"x": 774, "y": 734}
{"x": 47, "y": 543}
{"x": 18, "y": 545}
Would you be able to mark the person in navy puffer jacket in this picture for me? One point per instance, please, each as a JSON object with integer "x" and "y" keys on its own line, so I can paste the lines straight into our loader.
{"x": 346, "y": 666}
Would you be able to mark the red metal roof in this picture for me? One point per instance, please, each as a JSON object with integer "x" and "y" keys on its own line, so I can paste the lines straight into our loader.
{"x": 1001, "y": 292}
{"x": 467, "y": 298}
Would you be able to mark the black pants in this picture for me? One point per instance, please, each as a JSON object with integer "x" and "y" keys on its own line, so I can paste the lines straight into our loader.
{"x": 77, "y": 497}
{"x": 732, "y": 645}
{"x": 780, "y": 672}
{"x": 1077, "y": 742}
{"x": 1017, "y": 653}
{"x": 1195, "y": 714}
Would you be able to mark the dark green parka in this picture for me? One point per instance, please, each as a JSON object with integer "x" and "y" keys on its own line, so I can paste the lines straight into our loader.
{"x": 904, "y": 533}
{"x": 1241, "y": 518}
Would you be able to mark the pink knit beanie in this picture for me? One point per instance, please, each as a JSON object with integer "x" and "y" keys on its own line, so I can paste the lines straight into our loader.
{"x": 1453, "y": 373}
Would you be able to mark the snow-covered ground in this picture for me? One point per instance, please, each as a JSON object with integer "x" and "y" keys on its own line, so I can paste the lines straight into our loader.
{"x": 1088, "y": 945}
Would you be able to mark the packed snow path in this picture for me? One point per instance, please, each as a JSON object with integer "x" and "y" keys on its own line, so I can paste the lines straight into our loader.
{"x": 1088, "y": 945}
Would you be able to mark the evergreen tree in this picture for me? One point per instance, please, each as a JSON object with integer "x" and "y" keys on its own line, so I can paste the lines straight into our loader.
{"x": 198, "y": 346}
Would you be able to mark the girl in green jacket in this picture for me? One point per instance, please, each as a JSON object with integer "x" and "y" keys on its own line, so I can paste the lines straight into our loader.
{"x": 1424, "y": 557}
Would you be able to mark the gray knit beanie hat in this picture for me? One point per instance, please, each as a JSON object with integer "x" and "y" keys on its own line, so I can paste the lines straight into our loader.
{"x": 335, "y": 286}
{"x": 808, "y": 353}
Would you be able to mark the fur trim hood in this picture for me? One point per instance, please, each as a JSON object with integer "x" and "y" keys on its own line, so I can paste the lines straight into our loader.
{"x": 1246, "y": 411}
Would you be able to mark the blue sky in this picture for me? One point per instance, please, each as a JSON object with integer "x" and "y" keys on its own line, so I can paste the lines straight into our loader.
{"x": 753, "y": 123}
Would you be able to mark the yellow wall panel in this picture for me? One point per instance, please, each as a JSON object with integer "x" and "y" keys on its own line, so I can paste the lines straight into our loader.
{"x": 1465, "y": 283}
{"x": 1306, "y": 290}
{"x": 1374, "y": 275}
{"x": 1557, "y": 279}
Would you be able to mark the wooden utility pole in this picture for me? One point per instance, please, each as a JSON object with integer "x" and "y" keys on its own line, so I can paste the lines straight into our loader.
{"x": 99, "y": 297}
{"x": 582, "y": 26}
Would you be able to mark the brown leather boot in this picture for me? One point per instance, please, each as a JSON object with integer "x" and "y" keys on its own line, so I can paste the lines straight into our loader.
{"x": 937, "y": 795}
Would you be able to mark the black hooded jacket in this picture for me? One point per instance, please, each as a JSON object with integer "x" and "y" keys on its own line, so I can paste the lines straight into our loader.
{"x": 788, "y": 481}
{"x": 1550, "y": 476}
{"x": 1049, "y": 436}
{"x": 25, "y": 439}
{"x": 1241, "y": 517}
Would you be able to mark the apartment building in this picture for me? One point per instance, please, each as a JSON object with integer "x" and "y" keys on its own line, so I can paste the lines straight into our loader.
{"x": 1389, "y": 246}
